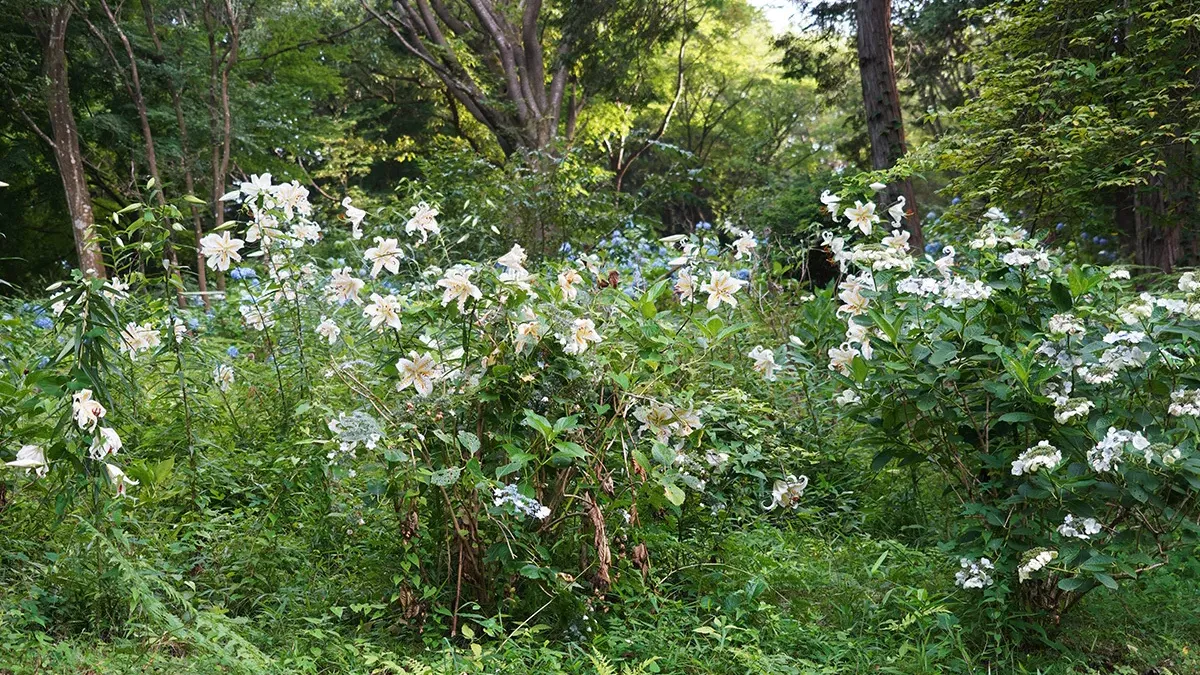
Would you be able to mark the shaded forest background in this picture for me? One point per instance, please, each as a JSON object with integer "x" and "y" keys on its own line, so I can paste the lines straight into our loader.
{"x": 559, "y": 122}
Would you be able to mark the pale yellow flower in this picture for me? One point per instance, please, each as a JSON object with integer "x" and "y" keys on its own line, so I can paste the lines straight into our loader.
{"x": 721, "y": 287}
{"x": 419, "y": 372}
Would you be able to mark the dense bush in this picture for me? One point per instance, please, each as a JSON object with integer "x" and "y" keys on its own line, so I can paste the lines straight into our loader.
{"x": 1055, "y": 404}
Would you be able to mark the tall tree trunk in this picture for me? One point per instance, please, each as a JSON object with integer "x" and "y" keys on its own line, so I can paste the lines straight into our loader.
{"x": 881, "y": 99}
{"x": 189, "y": 181}
{"x": 51, "y": 28}
{"x": 139, "y": 103}
{"x": 220, "y": 116}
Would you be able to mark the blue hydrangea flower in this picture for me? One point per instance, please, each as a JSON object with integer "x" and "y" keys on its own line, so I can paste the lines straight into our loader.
{"x": 43, "y": 362}
{"x": 743, "y": 274}
{"x": 43, "y": 322}
{"x": 232, "y": 351}
{"x": 933, "y": 247}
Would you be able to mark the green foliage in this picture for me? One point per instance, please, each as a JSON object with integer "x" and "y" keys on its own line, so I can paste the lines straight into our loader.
{"x": 1086, "y": 113}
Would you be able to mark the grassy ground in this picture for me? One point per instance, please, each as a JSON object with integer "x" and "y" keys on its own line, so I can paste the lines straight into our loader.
{"x": 762, "y": 601}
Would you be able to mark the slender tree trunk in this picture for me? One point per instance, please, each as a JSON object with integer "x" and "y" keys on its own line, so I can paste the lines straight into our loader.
{"x": 185, "y": 153}
{"x": 220, "y": 117}
{"x": 139, "y": 103}
{"x": 881, "y": 99}
{"x": 53, "y": 36}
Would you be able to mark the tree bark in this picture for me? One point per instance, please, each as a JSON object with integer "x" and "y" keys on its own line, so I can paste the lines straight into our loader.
{"x": 51, "y": 28}
{"x": 881, "y": 100}
{"x": 527, "y": 117}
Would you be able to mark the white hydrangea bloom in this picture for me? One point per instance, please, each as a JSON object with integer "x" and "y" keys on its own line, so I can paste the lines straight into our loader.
{"x": 975, "y": 574}
{"x": 1066, "y": 324}
{"x": 1071, "y": 408}
{"x": 1079, "y": 528}
{"x": 1035, "y": 560}
{"x": 1185, "y": 402}
{"x": 526, "y": 506}
{"x": 1042, "y": 455}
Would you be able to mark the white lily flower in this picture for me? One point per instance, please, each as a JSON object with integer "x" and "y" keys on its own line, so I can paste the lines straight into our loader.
{"x": 355, "y": 215}
{"x": 582, "y": 332}
{"x": 87, "y": 411}
{"x": 419, "y": 372}
{"x": 384, "y": 254}
{"x": 105, "y": 444}
{"x": 383, "y": 310}
{"x": 328, "y": 330}
{"x": 31, "y": 458}
{"x": 721, "y": 287}
{"x": 118, "y": 478}
{"x": 457, "y": 283}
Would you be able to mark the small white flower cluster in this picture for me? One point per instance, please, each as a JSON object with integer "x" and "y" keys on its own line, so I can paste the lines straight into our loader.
{"x": 1066, "y": 324}
{"x": 1185, "y": 402}
{"x": 1042, "y": 455}
{"x": 951, "y": 291}
{"x": 1068, "y": 409}
{"x": 1078, "y": 528}
{"x": 975, "y": 574}
{"x": 848, "y": 398}
{"x": 996, "y": 232}
{"x": 1025, "y": 257}
{"x": 1110, "y": 450}
{"x": 257, "y": 316}
{"x": 958, "y": 290}
{"x": 526, "y": 506}
{"x": 1137, "y": 312}
{"x": 357, "y": 427}
{"x": 1035, "y": 560}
